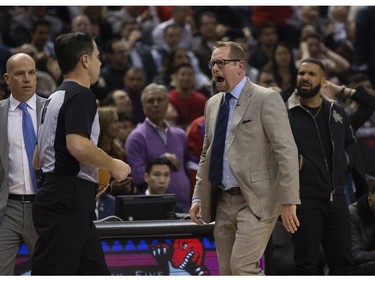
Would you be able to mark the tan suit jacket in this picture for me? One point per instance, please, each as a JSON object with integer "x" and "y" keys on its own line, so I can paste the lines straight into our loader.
{"x": 261, "y": 152}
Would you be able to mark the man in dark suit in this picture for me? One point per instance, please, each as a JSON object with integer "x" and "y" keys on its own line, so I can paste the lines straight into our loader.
{"x": 208, "y": 36}
{"x": 139, "y": 54}
{"x": 257, "y": 175}
{"x": 362, "y": 218}
{"x": 17, "y": 190}
{"x": 106, "y": 206}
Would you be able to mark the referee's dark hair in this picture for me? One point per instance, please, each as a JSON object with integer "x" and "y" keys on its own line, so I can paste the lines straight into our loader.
{"x": 69, "y": 48}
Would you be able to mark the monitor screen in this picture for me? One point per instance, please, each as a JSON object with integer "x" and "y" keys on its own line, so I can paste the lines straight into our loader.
{"x": 146, "y": 207}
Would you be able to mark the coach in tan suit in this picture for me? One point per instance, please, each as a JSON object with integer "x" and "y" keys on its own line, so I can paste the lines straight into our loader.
{"x": 258, "y": 179}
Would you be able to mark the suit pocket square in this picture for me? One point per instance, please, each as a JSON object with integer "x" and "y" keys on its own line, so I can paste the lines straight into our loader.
{"x": 246, "y": 121}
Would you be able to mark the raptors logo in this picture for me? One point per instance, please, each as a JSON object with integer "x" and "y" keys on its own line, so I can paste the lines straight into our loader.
{"x": 185, "y": 254}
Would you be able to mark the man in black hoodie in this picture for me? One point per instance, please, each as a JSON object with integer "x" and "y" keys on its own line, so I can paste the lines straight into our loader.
{"x": 326, "y": 146}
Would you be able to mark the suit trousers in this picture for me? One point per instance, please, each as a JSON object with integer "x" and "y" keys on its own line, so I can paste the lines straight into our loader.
{"x": 241, "y": 238}
{"x": 16, "y": 226}
{"x": 68, "y": 243}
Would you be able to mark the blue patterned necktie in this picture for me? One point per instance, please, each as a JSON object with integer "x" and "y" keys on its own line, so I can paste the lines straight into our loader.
{"x": 29, "y": 139}
{"x": 216, "y": 163}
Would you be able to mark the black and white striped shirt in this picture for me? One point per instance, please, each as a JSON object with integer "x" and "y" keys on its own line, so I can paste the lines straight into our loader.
{"x": 71, "y": 109}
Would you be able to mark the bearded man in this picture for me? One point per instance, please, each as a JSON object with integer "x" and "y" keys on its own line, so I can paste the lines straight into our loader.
{"x": 326, "y": 147}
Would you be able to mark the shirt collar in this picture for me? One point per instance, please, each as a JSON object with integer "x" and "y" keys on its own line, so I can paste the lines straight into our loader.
{"x": 13, "y": 103}
{"x": 238, "y": 89}
{"x": 155, "y": 126}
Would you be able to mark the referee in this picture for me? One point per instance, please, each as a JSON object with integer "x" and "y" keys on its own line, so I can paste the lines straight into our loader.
{"x": 63, "y": 209}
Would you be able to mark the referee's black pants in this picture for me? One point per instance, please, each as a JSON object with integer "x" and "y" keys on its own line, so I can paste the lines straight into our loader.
{"x": 68, "y": 241}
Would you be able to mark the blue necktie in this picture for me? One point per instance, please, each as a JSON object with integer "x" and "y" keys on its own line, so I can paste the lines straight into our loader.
{"x": 29, "y": 138}
{"x": 216, "y": 164}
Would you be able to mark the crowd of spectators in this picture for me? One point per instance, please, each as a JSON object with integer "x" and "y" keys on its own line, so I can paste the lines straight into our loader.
{"x": 165, "y": 50}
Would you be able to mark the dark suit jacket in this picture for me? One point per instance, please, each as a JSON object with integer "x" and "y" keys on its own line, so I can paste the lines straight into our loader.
{"x": 107, "y": 204}
{"x": 203, "y": 54}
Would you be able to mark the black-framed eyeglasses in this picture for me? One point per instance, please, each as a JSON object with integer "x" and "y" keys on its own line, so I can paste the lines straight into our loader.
{"x": 220, "y": 63}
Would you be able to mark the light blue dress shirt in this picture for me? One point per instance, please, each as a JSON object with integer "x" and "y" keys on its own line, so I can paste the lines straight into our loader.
{"x": 229, "y": 179}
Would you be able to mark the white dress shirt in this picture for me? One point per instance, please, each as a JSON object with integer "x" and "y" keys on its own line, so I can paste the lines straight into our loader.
{"x": 19, "y": 174}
